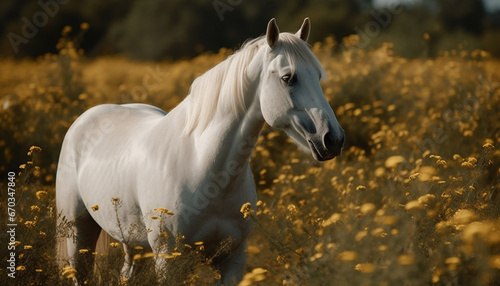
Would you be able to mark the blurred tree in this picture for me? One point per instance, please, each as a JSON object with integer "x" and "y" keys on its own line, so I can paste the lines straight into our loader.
{"x": 9, "y": 9}
{"x": 173, "y": 29}
{"x": 15, "y": 13}
{"x": 464, "y": 14}
{"x": 407, "y": 37}
{"x": 157, "y": 29}
{"x": 332, "y": 17}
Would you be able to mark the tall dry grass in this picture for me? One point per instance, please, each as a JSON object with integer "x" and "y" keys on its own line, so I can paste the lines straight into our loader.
{"x": 413, "y": 200}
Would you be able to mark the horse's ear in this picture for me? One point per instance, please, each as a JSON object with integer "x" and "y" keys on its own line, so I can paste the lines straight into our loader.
{"x": 304, "y": 30}
{"x": 272, "y": 33}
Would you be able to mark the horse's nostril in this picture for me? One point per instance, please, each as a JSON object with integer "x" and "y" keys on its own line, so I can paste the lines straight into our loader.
{"x": 333, "y": 144}
{"x": 329, "y": 141}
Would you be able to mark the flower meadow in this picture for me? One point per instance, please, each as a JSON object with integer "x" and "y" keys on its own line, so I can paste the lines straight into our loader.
{"x": 414, "y": 199}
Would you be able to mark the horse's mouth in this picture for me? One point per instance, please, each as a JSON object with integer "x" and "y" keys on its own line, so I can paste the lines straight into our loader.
{"x": 319, "y": 154}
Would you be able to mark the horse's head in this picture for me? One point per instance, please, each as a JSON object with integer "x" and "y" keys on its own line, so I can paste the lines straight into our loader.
{"x": 290, "y": 95}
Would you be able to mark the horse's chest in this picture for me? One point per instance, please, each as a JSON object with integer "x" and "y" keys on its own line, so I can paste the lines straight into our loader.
{"x": 218, "y": 231}
{"x": 213, "y": 221}
{"x": 208, "y": 211}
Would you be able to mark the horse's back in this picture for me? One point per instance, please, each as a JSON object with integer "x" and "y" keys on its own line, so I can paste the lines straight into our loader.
{"x": 110, "y": 118}
{"x": 107, "y": 131}
{"x": 133, "y": 112}
{"x": 104, "y": 132}
{"x": 145, "y": 108}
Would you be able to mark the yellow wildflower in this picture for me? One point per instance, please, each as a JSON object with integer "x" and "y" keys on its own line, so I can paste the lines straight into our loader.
{"x": 35, "y": 148}
{"x": 148, "y": 254}
{"x": 495, "y": 262}
{"x": 406, "y": 259}
{"x": 489, "y": 146}
{"x": 367, "y": 208}
{"x": 30, "y": 224}
{"x": 394, "y": 161}
{"x": 452, "y": 262}
{"x": 331, "y": 220}
{"x": 41, "y": 195}
{"x": 84, "y": 26}
{"x": 246, "y": 209}
{"x": 365, "y": 267}
{"x": 68, "y": 271}
{"x": 259, "y": 274}
{"x": 167, "y": 256}
{"x": 348, "y": 256}
{"x": 162, "y": 210}
{"x": 361, "y": 188}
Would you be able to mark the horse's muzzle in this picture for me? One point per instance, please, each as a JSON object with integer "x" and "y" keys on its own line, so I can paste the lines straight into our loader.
{"x": 327, "y": 147}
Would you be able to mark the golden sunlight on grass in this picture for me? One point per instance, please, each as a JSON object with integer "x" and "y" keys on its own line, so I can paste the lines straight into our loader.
{"x": 413, "y": 200}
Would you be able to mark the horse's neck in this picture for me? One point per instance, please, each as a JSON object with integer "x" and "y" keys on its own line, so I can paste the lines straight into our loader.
{"x": 230, "y": 138}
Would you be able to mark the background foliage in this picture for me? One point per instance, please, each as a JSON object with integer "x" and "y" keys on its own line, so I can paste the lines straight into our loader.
{"x": 173, "y": 29}
{"x": 413, "y": 199}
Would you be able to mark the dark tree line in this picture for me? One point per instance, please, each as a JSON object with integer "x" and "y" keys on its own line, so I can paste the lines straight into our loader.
{"x": 157, "y": 29}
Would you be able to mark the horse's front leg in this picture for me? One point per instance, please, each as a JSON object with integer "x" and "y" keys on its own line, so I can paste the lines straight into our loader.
{"x": 128, "y": 264}
{"x": 160, "y": 246}
{"x": 233, "y": 267}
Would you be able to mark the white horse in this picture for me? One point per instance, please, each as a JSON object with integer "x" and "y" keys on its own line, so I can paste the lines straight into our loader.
{"x": 122, "y": 166}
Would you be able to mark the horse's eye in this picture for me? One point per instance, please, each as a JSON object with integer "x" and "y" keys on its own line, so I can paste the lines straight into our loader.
{"x": 289, "y": 79}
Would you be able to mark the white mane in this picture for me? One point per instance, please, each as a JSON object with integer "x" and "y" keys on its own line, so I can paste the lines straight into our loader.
{"x": 224, "y": 85}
